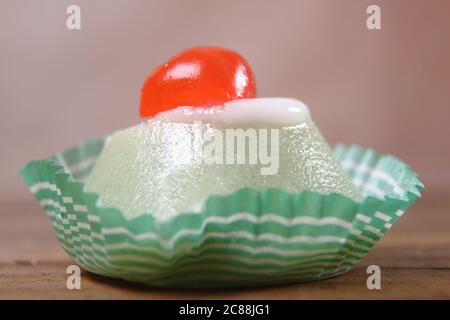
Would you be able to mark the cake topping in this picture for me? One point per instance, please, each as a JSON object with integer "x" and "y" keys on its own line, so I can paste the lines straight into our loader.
{"x": 273, "y": 111}
{"x": 197, "y": 77}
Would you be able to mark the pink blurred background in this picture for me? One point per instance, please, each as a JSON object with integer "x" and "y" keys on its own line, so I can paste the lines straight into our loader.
{"x": 388, "y": 89}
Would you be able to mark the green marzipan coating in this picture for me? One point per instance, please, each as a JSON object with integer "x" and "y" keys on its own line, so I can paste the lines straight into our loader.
{"x": 150, "y": 168}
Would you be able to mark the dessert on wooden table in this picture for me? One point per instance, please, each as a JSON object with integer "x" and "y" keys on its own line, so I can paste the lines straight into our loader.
{"x": 218, "y": 187}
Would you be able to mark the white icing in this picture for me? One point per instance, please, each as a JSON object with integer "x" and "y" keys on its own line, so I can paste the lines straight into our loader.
{"x": 279, "y": 111}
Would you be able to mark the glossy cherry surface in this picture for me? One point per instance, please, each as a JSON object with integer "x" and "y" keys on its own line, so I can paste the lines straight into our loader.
{"x": 198, "y": 77}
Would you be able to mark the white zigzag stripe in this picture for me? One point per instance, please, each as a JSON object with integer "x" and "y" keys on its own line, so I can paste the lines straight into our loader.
{"x": 236, "y": 246}
{"x": 82, "y": 165}
{"x": 169, "y": 243}
{"x": 252, "y": 261}
{"x": 45, "y": 186}
{"x": 243, "y": 234}
{"x": 362, "y": 168}
{"x": 190, "y": 264}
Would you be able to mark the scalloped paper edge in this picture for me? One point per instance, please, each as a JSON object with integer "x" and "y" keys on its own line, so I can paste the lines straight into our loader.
{"x": 243, "y": 239}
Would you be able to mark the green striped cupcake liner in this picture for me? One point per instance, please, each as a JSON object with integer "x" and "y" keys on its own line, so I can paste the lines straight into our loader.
{"x": 247, "y": 238}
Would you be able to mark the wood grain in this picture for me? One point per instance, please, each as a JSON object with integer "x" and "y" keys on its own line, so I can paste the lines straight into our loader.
{"x": 414, "y": 258}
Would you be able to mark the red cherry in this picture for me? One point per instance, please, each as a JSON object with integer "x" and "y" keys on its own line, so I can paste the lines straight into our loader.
{"x": 197, "y": 77}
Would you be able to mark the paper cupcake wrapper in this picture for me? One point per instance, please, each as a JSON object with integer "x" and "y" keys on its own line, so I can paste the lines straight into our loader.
{"x": 243, "y": 239}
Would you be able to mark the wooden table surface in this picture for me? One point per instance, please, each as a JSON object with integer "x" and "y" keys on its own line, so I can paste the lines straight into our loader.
{"x": 414, "y": 258}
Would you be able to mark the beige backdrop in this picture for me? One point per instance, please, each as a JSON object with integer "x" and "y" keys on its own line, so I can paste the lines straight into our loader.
{"x": 388, "y": 89}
